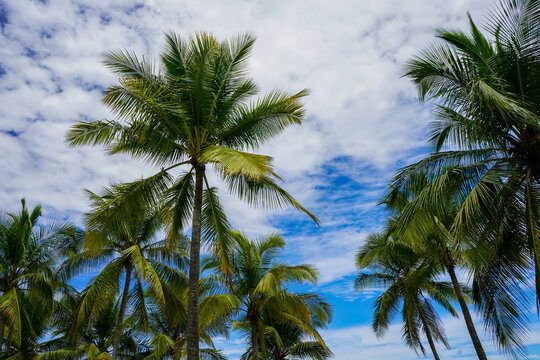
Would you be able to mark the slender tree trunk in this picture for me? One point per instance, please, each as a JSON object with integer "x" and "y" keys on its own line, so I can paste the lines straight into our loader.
{"x": 466, "y": 314}
{"x": 192, "y": 331}
{"x": 428, "y": 334}
{"x": 121, "y": 312}
{"x": 254, "y": 340}
{"x": 531, "y": 233}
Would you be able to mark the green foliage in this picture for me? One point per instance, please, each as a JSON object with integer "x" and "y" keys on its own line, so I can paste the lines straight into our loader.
{"x": 409, "y": 278}
{"x": 486, "y": 90}
{"x": 129, "y": 249}
{"x": 265, "y": 309}
{"x": 28, "y": 255}
{"x": 195, "y": 110}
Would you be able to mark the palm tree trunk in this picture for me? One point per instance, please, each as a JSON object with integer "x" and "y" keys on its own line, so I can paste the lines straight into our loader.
{"x": 531, "y": 233}
{"x": 466, "y": 314}
{"x": 254, "y": 340}
{"x": 428, "y": 334}
{"x": 121, "y": 312}
{"x": 192, "y": 331}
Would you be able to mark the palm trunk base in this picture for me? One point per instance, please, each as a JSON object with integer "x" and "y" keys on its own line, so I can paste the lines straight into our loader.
{"x": 466, "y": 314}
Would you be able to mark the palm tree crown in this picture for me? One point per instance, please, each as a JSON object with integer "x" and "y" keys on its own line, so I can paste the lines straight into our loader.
{"x": 130, "y": 250}
{"x": 409, "y": 277}
{"x": 259, "y": 287}
{"x": 28, "y": 254}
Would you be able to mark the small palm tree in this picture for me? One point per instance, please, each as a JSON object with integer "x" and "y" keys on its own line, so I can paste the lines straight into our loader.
{"x": 164, "y": 347}
{"x": 258, "y": 285}
{"x": 130, "y": 251}
{"x": 428, "y": 226}
{"x": 287, "y": 340}
{"x": 34, "y": 329}
{"x": 194, "y": 112}
{"x": 28, "y": 254}
{"x": 410, "y": 278}
{"x": 167, "y": 325}
{"x": 425, "y": 208}
{"x": 94, "y": 338}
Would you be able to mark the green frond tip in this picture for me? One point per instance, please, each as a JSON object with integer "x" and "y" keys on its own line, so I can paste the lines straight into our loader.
{"x": 265, "y": 193}
{"x": 93, "y": 133}
{"x": 233, "y": 162}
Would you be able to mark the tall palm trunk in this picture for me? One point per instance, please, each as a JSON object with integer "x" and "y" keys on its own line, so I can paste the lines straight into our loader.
{"x": 428, "y": 334}
{"x": 531, "y": 233}
{"x": 465, "y": 310}
{"x": 194, "y": 263}
{"x": 254, "y": 339}
{"x": 123, "y": 305}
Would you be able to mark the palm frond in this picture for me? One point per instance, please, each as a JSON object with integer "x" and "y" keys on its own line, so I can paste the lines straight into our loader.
{"x": 216, "y": 228}
{"x": 264, "y": 193}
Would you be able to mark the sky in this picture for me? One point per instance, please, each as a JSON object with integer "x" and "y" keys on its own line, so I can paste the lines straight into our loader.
{"x": 363, "y": 122}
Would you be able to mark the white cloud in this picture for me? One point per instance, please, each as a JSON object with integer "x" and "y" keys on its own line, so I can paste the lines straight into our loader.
{"x": 349, "y": 53}
{"x": 359, "y": 342}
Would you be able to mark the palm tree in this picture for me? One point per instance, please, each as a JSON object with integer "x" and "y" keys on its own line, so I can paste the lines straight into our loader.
{"x": 167, "y": 325}
{"x": 287, "y": 340}
{"x": 194, "y": 112}
{"x": 486, "y": 93}
{"x": 423, "y": 215}
{"x": 94, "y": 338}
{"x": 487, "y": 96}
{"x": 258, "y": 285}
{"x": 34, "y": 327}
{"x": 410, "y": 277}
{"x": 129, "y": 248}
{"x": 27, "y": 260}
{"x": 427, "y": 226}
{"x": 164, "y": 347}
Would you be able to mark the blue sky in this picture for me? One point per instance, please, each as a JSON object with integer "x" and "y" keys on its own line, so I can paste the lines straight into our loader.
{"x": 363, "y": 120}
